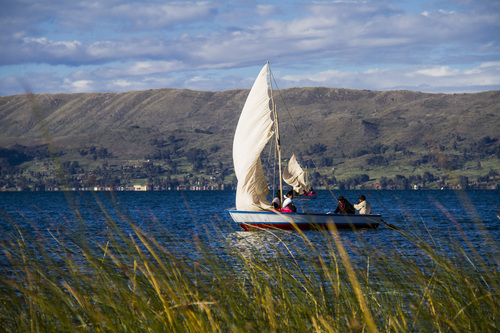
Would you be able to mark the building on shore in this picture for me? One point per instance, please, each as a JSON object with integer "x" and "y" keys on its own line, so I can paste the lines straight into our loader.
{"x": 141, "y": 188}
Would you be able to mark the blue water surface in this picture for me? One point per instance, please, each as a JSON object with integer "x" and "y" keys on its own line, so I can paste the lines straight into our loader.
{"x": 470, "y": 218}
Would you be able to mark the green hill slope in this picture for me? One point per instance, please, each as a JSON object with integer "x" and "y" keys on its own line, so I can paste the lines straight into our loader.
{"x": 183, "y": 131}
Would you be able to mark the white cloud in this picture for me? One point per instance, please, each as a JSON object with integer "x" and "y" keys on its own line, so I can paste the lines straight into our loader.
{"x": 491, "y": 64}
{"x": 112, "y": 45}
{"x": 142, "y": 68}
{"x": 433, "y": 79}
{"x": 436, "y": 71}
{"x": 160, "y": 15}
{"x": 79, "y": 86}
{"x": 55, "y": 48}
{"x": 487, "y": 74}
{"x": 266, "y": 10}
{"x": 122, "y": 83}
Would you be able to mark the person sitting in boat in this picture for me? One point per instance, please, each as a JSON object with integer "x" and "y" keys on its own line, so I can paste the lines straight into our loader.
{"x": 363, "y": 205}
{"x": 277, "y": 201}
{"x": 344, "y": 206}
{"x": 288, "y": 206}
{"x": 310, "y": 191}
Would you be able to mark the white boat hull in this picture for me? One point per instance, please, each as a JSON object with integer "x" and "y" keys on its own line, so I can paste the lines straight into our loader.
{"x": 303, "y": 221}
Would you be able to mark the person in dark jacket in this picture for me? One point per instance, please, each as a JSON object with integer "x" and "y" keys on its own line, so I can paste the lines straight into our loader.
{"x": 344, "y": 206}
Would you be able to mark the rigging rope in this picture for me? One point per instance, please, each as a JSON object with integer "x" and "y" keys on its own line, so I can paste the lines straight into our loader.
{"x": 299, "y": 135}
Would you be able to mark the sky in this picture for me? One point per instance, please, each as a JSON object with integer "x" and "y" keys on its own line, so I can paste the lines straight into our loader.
{"x": 67, "y": 46}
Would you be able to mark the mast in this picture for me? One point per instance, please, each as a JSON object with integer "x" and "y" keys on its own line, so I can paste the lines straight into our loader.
{"x": 277, "y": 133}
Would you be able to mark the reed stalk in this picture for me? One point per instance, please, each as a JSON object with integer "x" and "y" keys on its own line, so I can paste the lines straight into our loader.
{"x": 59, "y": 280}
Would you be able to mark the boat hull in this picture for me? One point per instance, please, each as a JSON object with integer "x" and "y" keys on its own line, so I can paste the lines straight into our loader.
{"x": 248, "y": 220}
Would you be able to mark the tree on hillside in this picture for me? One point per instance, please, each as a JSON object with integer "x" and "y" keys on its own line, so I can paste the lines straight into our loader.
{"x": 196, "y": 155}
{"x": 317, "y": 148}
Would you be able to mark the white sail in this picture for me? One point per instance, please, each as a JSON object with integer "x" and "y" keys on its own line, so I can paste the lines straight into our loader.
{"x": 253, "y": 210}
{"x": 252, "y": 134}
{"x": 293, "y": 175}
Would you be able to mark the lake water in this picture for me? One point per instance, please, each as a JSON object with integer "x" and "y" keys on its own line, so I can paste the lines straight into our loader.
{"x": 470, "y": 217}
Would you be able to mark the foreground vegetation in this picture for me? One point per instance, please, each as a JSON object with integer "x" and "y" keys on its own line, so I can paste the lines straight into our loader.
{"x": 62, "y": 279}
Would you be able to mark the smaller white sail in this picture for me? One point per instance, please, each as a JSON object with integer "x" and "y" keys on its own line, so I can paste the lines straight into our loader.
{"x": 293, "y": 175}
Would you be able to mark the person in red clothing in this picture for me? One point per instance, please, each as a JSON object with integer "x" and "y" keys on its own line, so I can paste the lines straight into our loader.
{"x": 288, "y": 206}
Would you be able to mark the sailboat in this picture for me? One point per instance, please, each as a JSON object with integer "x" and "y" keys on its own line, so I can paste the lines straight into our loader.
{"x": 258, "y": 123}
{"x": 294, "y": 175}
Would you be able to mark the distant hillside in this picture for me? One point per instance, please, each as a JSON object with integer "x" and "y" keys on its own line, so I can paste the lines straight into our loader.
{"x": 352, "y": 130}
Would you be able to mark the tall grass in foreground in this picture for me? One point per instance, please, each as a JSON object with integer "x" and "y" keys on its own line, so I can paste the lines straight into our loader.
{"x": 249, "y": 282}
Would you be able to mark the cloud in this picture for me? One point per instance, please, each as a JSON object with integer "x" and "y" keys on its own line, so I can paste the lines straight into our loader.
{"x": 485, "y": 75}
{"x": 55, "y": 49}
{"x": 146, "y": 15}
{"x": 431, "y": 79}
{"x": 79, "y": 86}
{"x": 266, "y": 10}
{"x": 437, "y": 71}
{"x": 113, "y": 45}
{"x": 127, "y": 48}
{"x": 142, "y": 68}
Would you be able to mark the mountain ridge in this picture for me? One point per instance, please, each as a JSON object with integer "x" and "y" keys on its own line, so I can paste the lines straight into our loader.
{"x": 334, "y": 125}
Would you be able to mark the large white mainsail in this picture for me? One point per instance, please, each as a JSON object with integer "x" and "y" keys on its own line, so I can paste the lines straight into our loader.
{"x": 293, "y": 175}
{"x": 252, "y": 134}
